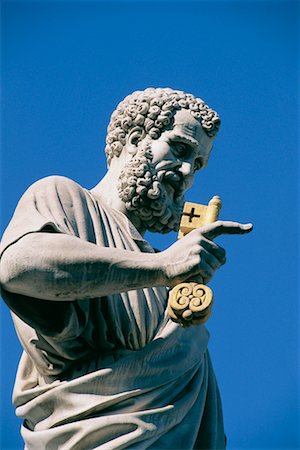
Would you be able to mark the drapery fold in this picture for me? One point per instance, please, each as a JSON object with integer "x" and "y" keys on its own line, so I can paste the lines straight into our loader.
{"x": 112, "y": 372}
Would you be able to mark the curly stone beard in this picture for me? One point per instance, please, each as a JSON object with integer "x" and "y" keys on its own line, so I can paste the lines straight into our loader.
{"x": 142, "y": 190}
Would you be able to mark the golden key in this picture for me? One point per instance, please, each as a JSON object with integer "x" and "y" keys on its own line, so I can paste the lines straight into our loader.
{"x": 190, "y": 303}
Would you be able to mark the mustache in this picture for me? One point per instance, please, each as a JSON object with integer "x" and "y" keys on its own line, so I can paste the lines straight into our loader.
{"x": 174, "y": 178}
{"x": 167, "y": 171}
{"x": 166, "y": 165}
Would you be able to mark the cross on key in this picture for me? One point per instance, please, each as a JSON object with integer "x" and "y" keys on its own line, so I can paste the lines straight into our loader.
{"x": 191, "y": 215}
{"x": 196, "y": 215}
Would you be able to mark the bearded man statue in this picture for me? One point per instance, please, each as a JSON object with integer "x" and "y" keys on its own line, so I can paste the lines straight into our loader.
{"x": 103, "y": 366}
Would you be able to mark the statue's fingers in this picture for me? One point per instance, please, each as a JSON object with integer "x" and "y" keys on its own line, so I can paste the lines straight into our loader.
{"x": 206, "y": 271}
{"x": 207, "y": 268}
{"x": 215, "y": 249}
{"x": 215, "y": 229}
{"x": 195, "y": 279}
{"x": 213, "y": 262}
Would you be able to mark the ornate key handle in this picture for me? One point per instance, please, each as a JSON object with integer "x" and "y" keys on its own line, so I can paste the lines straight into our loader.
{"x": 191, "y": 303}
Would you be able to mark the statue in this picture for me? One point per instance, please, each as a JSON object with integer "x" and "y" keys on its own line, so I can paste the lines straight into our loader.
{"x": 103, "y": 365}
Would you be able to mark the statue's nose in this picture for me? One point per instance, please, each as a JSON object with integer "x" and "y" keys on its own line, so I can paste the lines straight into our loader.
{"x": 186, "y": 169}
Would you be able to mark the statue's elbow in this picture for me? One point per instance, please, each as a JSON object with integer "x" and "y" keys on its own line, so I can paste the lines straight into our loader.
{"x": 11, "y": 270}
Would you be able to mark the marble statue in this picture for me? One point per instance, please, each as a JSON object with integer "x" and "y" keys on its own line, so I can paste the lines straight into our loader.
{"x": 103, "y": 365}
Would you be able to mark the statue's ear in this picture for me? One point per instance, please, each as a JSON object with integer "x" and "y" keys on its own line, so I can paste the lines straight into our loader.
{"x": 134, "y": 136}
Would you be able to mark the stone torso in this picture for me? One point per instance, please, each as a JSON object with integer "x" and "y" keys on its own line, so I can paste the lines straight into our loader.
{"x": 60, "y": 335}
{"x": 111, "y": 372}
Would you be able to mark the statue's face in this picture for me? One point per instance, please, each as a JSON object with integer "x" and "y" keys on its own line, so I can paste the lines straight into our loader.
{"x": 184, "y": 150}
{"x": 152, "y": 184}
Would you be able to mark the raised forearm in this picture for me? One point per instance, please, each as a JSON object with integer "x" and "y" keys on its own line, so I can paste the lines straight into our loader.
{"x": 55, "y": 266}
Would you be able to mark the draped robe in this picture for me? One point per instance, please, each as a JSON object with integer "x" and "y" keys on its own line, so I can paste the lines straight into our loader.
{"x": 111, "y": 372}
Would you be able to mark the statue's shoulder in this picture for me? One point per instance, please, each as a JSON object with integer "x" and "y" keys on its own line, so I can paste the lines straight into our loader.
{"x": 50, "y": 193}
{"x": 55, "y": 187}
{"x": 55, "y": 181}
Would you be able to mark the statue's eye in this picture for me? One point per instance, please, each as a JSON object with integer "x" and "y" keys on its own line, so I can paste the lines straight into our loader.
{"x": 181, "y": 149}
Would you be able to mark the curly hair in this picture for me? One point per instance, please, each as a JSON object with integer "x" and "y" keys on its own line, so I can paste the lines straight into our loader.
{"x": 152, "y": 111}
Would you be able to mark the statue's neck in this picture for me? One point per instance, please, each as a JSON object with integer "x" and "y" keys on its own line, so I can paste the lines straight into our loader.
{"x": 107, "y": 190}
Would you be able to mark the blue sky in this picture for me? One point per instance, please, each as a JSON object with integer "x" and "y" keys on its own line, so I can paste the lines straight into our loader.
{"x": 66, "y": 65}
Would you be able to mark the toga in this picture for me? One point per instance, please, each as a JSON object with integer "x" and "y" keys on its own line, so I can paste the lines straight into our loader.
{"x": 112, "y": 372}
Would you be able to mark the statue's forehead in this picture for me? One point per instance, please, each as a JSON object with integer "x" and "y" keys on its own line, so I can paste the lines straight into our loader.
{"x": 184, "y": 121}
{"x": 186, "y": 125}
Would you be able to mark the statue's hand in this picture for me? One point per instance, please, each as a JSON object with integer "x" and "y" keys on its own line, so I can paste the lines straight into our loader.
{"x": 196, "y": 257}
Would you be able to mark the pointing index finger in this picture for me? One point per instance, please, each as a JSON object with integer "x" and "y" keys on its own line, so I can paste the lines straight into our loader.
{"x": 215, "y": 229}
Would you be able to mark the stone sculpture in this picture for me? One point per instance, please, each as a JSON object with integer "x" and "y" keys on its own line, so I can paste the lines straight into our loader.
{"x": 103, "y": 365}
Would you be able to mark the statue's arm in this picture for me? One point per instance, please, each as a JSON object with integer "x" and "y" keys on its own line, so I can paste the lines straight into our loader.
{"x": 55, "y": 266}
